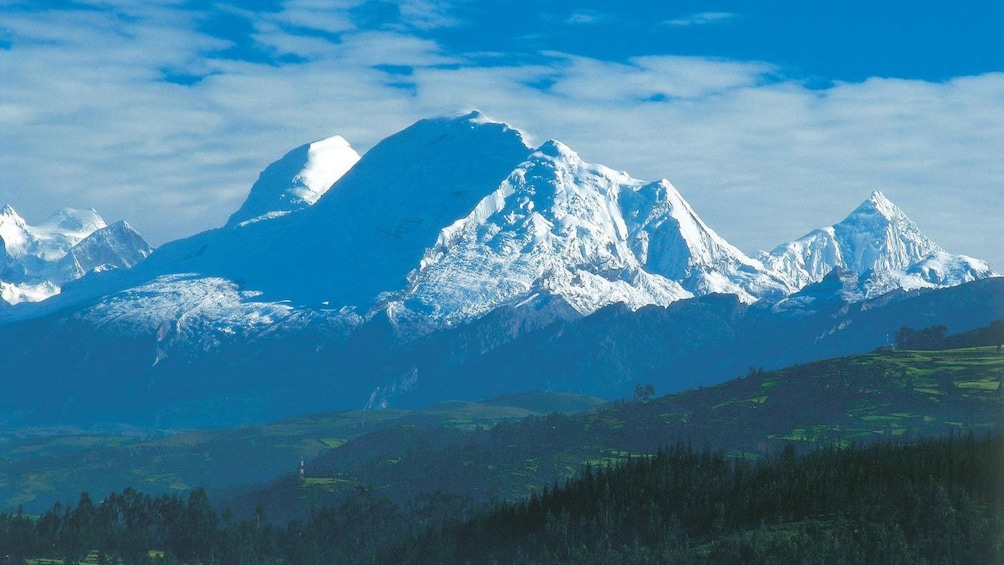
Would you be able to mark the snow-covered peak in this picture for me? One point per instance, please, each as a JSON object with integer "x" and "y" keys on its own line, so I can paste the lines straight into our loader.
{"x": 556, "y": 149}
{"x": 938, "y": 270}
{"x": 297, "y": 180}
{"x": 51, "y": 239}
{"x": 7, "y": 213}
{"x": 671, "y": 240}
{"x": 585, "y": 233}
{"x": 877, "y": 235}
{"x": 878, "y": 203}
{"x": 942, "y": 269}
{"x": 362, "y": 237}
{"x": 879, "y": 243}
{"x": 14, "y": 235}
{"x": 327, "y": 160}
{"x": 474, "y": 117}
{"x": 11, "y": 220}
{"x": 117, "y": 246}
{"x": 35, "y": 261}
{"x": 554, "y": 228}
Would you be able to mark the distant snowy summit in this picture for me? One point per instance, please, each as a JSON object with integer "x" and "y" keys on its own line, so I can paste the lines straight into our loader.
{"x": 36, "y": 261}
{"x": 455, "y": 217}
{"x": 882, "y": 247}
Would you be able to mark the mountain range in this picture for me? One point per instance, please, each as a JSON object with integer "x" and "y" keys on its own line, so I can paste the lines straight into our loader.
{"x": 35, "y": 261}
{"x": 370, "y": 280}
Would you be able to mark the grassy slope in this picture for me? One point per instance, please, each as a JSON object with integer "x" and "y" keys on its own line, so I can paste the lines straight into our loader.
{"x": 40, "y": 467}
{"x": 887, "y": 394}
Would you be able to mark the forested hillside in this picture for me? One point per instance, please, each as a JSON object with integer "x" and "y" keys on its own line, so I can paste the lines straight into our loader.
{"x": 932, "y": 501}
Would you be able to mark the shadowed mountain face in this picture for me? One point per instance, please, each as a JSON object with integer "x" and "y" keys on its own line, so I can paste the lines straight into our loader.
{"x": 101, "y": 376}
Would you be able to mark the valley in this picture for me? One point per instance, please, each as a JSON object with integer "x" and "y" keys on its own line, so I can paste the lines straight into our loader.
{"x": 510, "y": 447}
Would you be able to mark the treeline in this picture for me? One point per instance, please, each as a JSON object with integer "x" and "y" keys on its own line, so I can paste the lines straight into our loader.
{"x": 936, "y": 338}
{"x": 935, "y": 501}
{"x": 134, "y": 528}
{"x": 121, "y": 528}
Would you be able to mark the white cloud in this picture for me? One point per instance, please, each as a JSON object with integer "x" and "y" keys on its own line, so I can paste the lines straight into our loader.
{"x": 86, "y": 121}
{"x": 702, "y": 18}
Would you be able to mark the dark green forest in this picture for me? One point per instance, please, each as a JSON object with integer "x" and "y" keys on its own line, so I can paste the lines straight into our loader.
{"x": 928, "y": 501}
{"x": 934, "y": 501}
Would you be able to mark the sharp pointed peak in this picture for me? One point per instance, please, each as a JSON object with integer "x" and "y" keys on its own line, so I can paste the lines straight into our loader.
{"x": 9, "y": 216}
{"x": 877, "y": 202}
{"x": 878, "y": 196}
{"x": 120, "y": 225}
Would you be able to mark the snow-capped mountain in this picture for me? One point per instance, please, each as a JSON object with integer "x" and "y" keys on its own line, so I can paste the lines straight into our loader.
{"x": 671, "y": 240}
{"x": 297, "y": 180}
{"x": 35, "y": 261}
{"x": 880, "y": 244}
{"x": 117, "y": 246}
{"x": 333, "y": 259}
{"x": 560, "y": 227}
{"x": 449, "y": 245}
{"x": 368, "y": 231}
{"x": 455, "y": 217}
{"x": 448, "y": 220}
{"x": 553, "y": 227}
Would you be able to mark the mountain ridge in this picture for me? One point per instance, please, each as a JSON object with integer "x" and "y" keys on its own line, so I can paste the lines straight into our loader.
{"x": 382, "y": 240}
{"x": 442, "y": 248}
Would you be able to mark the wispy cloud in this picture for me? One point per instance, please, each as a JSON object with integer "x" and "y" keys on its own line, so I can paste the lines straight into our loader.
{"x": 702, "y": 18}
{"x": 586, "y": 17}
{"x": 651, "y": 78}
{"x": 87, "y": 119}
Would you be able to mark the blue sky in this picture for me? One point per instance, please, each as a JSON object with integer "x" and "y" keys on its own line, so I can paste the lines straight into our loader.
{"x": 771, "y": 118}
